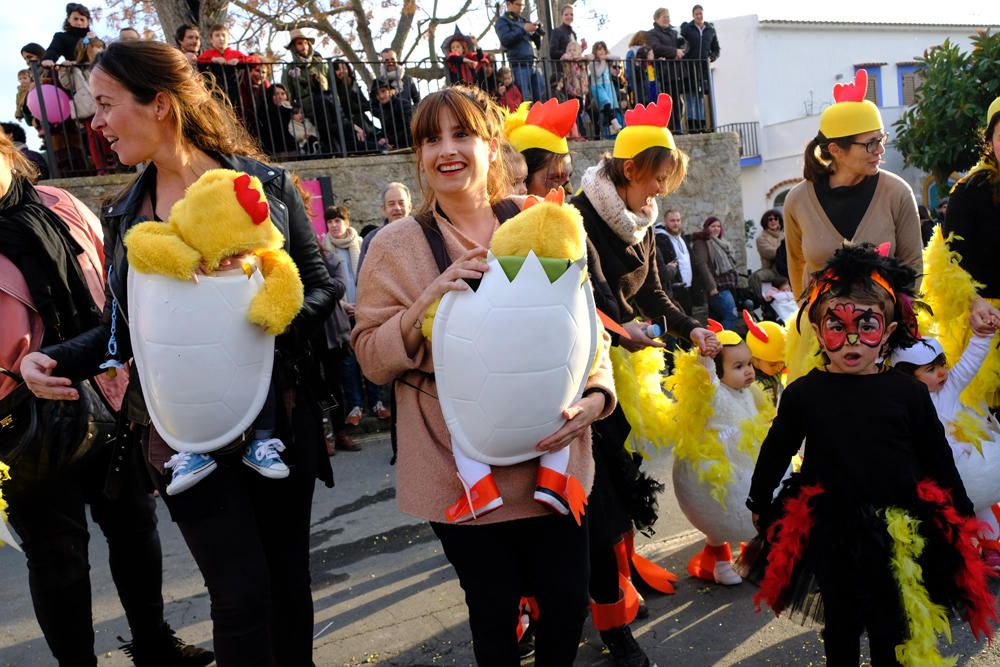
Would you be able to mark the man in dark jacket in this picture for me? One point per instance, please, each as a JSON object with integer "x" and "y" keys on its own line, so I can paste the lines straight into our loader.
{"x": 394, "y": 72}
{"x": 668, "y": 47}
{"x": 519, "y": 38}
{"x": 702, "y": 47}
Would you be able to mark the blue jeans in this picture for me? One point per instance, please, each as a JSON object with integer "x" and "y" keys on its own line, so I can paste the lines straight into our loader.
{"x": 352, "y": 385}
{"x": 695, "y": 106}
{"x": 722, "y": 307}
{"x": 529, "y": 80}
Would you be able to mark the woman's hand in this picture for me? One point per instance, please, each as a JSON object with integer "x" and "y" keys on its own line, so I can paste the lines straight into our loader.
{"x": 36, "y": 369}
{"x": 706, "y": 341}
{"x": 579, "y": 417}
{"x": 637, "y": 337}
{"x": 225, "y": 264}
{"x": 469, "y": 266}
{"x": 983, "y": 317}
{"x": 349, "y": 308}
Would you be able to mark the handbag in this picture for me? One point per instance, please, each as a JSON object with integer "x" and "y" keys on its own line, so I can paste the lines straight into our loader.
{"x": 41, "y": 438}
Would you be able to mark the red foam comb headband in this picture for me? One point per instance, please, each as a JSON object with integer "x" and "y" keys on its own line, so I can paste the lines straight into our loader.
{"x": 713, "y": 326}
{"x": 250, "y": 199}
{"x": 555, "y": 196}
{"x": 753, "y": 327}
{"x": 558, "y": 118}
{"x": 655, "y": 113}
{"x": 853, "y": 91}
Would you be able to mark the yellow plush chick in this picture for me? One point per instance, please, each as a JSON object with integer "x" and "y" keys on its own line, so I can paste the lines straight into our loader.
{"x": 547, "y": 226}
{"x": 223, "y": 214}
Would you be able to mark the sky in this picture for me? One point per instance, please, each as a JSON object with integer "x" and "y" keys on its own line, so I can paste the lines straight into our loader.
{"x": 46, "y": 17}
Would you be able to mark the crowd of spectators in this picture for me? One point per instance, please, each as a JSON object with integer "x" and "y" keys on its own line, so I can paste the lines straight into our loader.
{"x": 310, "y": 105}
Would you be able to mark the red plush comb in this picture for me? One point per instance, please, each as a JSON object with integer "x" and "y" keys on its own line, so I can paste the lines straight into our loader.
{"x": 753, "y": 327}
{"x": 853, "y": 91}
{"x": 655, "y": 113}
{"x": 558, "y": 118}
{"x": 713, "y": 326}
{"x": 250, "y": 199}
{"x": 883, "y": 249}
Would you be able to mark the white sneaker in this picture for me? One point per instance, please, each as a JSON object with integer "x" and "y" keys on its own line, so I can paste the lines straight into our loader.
{"x": 188, "y": 469}
{"x": 262, "y": 456}
{"x": 725, "y": 574}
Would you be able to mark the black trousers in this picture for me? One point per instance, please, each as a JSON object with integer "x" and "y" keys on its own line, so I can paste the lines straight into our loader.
{"x": 495, "y": 563}
{"x": 870, "y": 602}
{"x": 51, "y": 520}
{"x": 250, "y": 538}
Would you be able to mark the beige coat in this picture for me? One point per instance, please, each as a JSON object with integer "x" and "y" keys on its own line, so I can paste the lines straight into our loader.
{"x": 767, "y": 247}
{"x": 398, "y": 267}
{"x": 811, "y": 239}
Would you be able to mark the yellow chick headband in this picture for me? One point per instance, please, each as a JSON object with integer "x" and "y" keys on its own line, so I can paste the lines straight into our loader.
{"x": 726, "y": 337}
{"x": 851, "y": 113}
{"x": 766, "y": 339}
{"x": 993, "y": 110}
{"x": 645, "y": 127}
{"x": 543, "y": 125}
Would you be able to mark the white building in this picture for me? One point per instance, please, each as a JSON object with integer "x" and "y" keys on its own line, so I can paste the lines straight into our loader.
{"x": 778, "y": 76}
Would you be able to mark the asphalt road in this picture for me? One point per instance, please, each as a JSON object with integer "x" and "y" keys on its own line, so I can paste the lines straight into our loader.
{"x": 384, "y": 593}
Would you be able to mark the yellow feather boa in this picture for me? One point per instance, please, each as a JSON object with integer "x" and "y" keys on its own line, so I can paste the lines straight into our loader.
{"x": 801, "y": 349}
{"x": 948, "y": 290}
{"x": 696, "y": 444}
{"x": 638, "y": 378}
{"x": 4, "y": 476}
{"x": 926, "y": 619}
{"x": 967, "y": 426}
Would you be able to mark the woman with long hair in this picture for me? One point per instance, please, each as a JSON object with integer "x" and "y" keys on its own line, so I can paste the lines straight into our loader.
{"x": 522, "y": 545}
{"x": 249, "y": 536}
{"x": 618, "y": 204}
{"x": 716, "y": 269}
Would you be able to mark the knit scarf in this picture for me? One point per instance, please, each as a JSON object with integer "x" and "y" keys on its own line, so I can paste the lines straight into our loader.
{"x": 40, "y": 245}
{"x": 628, "y": 226}
{"x": 351, "y": 241}
{"x": 722, "y": 257}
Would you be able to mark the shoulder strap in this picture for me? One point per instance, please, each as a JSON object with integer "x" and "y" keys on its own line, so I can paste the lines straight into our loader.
{"x": 428, "y": 225}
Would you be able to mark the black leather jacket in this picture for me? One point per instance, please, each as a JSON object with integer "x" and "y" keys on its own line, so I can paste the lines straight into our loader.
{"x": 81, "y": 357}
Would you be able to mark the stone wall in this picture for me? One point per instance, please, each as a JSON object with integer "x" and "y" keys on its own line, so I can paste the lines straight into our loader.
{"x": 712, "y": 186}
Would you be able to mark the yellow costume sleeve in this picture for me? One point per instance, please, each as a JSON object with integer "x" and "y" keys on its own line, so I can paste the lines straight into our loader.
{"x": 156, "y": 247}
{"x": 281, "y": 296}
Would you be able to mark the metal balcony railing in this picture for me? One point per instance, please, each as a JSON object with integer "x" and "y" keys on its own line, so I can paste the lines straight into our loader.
{"x": 748, "y": 137}
{"x": 335, "y": 108}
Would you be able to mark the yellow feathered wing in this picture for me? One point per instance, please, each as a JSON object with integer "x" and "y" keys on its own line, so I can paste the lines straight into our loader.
{"x": 638, "y": 377}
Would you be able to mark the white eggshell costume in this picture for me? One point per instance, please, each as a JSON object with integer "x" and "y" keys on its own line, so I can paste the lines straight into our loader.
{"x": 732, "y": 522}
{"x": 511, "y": 356}
{"x": 205, "y": 369}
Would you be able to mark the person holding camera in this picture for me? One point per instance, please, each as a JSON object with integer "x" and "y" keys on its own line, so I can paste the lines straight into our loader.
{"x": 519, "y": 38}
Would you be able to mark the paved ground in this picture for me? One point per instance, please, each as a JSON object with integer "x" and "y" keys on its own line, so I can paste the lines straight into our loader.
{"x": 385, "y": 594}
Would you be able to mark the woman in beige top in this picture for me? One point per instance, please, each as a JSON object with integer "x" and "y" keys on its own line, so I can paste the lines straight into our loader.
{"x": 522, "y": 546}
{"x": 845, "y": 196}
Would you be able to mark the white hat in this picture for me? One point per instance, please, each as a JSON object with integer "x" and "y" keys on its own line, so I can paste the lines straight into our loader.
{"x": 921, "y": 353}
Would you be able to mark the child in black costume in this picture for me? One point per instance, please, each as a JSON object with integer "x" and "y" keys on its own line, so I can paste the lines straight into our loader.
{"x": 877, "y": 518}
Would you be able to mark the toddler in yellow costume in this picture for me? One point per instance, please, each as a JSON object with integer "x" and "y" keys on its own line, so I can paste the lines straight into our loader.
{"x": 223, "y": 215}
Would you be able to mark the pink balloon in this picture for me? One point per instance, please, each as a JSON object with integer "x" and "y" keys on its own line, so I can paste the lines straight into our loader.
{"x": 57, "y": 103}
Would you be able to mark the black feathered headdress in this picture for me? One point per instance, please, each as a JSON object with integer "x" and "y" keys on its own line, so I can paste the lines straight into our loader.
{"x": 872, "y": 269}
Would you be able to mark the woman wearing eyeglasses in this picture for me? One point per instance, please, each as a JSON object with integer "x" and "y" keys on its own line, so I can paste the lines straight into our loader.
{"x": 845, "y": 196}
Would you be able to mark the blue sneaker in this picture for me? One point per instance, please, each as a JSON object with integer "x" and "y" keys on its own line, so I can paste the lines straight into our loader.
{"x": 262, "y": 456}
{"x": 188, "y": 469}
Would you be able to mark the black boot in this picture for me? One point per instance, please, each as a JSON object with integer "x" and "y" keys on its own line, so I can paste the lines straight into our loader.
{"x": 166, "y": 651}
{"x": 625, "y": 650}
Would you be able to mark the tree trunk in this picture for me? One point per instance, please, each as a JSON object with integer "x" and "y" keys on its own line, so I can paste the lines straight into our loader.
{"x": 172, "y": 14}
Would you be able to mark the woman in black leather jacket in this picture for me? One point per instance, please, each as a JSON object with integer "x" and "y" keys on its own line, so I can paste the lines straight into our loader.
{"x": 249, "y": 536}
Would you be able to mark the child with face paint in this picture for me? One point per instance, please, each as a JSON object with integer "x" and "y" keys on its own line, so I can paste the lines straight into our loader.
{"x": 973, "y": 434}
{"x": 877, "y": 517}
